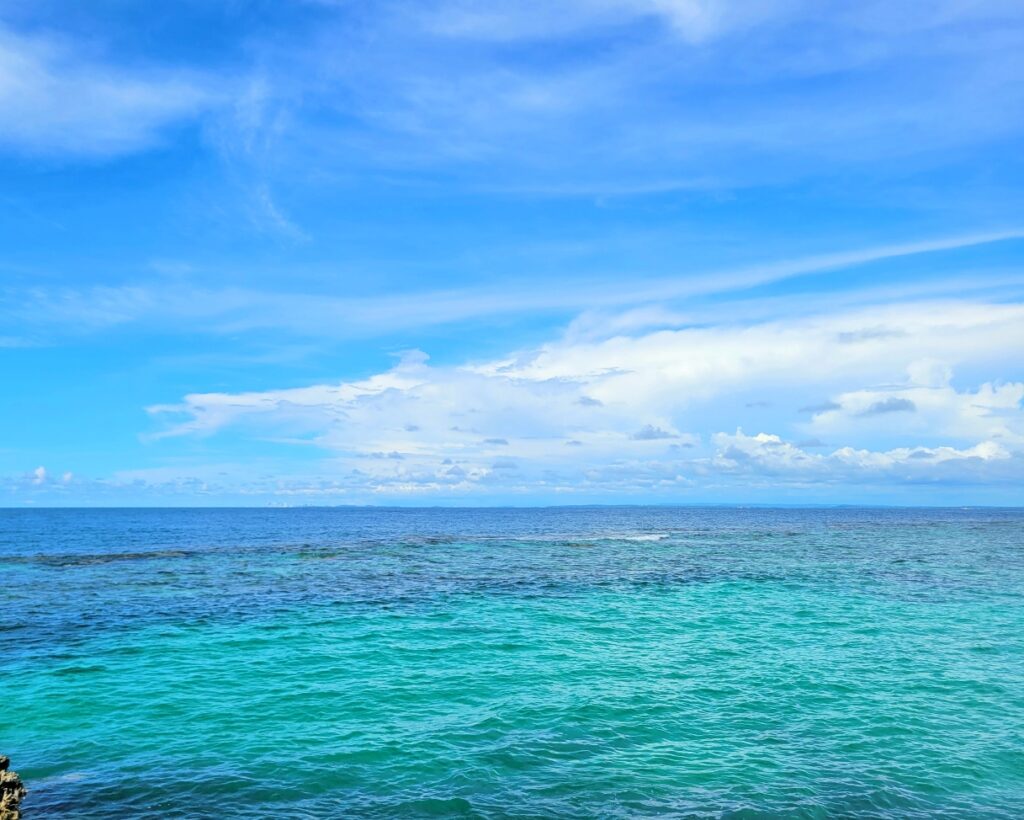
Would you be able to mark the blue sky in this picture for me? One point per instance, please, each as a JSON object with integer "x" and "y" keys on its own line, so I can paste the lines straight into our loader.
{"x": 461, "y": 252}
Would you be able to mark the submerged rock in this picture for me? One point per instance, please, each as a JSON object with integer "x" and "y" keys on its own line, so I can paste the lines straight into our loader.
{"x": 12, "y": 790}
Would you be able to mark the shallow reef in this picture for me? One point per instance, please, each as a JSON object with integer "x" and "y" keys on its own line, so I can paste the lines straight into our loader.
{"x": 12, "y": 790}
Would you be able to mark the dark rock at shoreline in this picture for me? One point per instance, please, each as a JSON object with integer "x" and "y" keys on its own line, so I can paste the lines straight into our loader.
{"x": 12, "y": 790}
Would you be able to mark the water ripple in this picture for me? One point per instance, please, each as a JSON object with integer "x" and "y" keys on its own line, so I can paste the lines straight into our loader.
{"x": 607, "y": 663}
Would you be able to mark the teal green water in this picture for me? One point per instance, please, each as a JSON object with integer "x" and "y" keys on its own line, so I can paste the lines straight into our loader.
{"x": 500, "y": 663}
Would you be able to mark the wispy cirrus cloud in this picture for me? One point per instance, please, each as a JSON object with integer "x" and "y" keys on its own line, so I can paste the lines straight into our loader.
{"x": 56, "y": 100}
{"x": 239, "y": 310}
{"x": 670, "y": 94}
{"x": 692, "y": 20}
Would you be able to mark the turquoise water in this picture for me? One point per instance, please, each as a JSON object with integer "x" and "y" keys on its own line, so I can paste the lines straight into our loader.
{"x": 514, "y": 663}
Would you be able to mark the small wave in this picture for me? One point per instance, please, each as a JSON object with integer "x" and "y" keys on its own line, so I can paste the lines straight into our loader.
{"x": 653, "y": 536}
{"x": 591, "y": 540}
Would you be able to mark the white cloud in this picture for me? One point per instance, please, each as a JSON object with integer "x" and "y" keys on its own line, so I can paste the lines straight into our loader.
{"x": 992, "y": 411}
{"x": 768, "y": 454}
{"x": 236, "y": 310}
{"x": 693, "y": 20}
{"x": 55, "y": 100}
{"x": 671, "y": 369}
{"x": 613, "y": 97}
{"x": 633, "y": 410}
{"x": 37, "y": 481}
{"x": 430, "y": 84}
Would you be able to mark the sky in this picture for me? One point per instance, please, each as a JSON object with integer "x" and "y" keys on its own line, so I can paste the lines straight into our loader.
{"x": 457, "y": 252}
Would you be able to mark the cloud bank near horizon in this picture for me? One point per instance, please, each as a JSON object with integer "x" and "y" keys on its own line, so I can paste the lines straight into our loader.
{"x": 642, "y": 414}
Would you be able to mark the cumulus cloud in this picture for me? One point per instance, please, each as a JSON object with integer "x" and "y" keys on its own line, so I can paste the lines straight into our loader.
{"x": 38, "y": 480}
{"x": 991, "y": 411}
{"x": 768, "y": 454}
{"x": 428, "y": 426}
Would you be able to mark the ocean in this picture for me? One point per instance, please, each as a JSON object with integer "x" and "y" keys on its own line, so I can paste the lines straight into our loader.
{"x": 562, "y": 662}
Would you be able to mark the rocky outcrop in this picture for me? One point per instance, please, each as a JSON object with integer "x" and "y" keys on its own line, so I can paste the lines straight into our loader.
{"x": 11, "y": 791}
